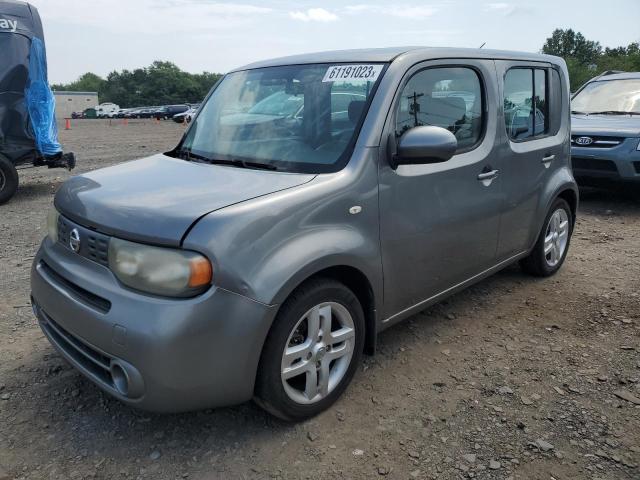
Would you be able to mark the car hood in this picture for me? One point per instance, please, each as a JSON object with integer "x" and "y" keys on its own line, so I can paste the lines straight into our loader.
{"x": 157, "y": 199}
{"x": 607, "y": 125}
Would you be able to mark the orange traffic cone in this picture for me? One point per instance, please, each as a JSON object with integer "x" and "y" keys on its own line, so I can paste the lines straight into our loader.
{"x": 125, "y": 121}
{"x": 67, "y": 124}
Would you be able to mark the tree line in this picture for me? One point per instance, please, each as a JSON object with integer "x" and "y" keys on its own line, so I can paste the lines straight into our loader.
{"x": 586, "y": 58}
{"x": 161, "y": 83}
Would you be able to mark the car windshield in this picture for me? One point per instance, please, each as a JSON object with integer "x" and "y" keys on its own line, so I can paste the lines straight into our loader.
{"x": 296, "y": 118}
{"x": 608, "y": 96}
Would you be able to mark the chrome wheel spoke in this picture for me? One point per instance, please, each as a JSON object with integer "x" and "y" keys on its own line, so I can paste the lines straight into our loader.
{"x": 296, "y": 369}
{"x": 325, "y": 320}
{"x": 323, "y": 380}
{"x": 340, "y": 336}
{"x": 339, "y": 352}
{"x": 313, "y": 324}
{"x": 548, "y": 245}
{"x": 295, "y": 353}
{"x": 311, "y": 385}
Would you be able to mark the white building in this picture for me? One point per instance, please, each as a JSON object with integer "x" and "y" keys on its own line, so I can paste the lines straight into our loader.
{"x": 69, "y": 102}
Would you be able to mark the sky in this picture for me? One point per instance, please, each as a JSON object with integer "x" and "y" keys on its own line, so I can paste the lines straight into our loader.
{"x": 208, "y": 35}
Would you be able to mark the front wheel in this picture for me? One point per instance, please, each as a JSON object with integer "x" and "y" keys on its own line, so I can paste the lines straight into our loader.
{"x": 552, "y": 246}
{"x": 8, "y": 179}
{"x": 312, "y": 351}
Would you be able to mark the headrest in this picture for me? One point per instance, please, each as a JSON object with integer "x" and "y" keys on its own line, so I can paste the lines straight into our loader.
{"x": 448, "y": 107}
{"x": 355, "y": 110}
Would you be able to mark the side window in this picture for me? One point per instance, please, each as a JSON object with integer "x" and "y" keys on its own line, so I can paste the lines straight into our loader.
{"x": 526, "y": 103}
{"x": 555, "y": 103}
{"x": 347, "y": 103}
{"x": 448, "y": 97}
{"x": 540, "y": 125}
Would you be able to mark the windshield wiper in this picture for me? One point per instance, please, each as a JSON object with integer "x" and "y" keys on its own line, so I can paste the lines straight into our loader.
{"x": 237, "y": 162}
{"x": 576, "y": 112}
{"x": 614, "y": 112}
{"x": 187, "y": 154}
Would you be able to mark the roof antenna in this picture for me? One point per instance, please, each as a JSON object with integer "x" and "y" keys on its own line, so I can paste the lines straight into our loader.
{"x": 483, "y": 44}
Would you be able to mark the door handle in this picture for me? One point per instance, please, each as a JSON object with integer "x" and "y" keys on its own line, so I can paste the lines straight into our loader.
{"x": 548, "y": 158}
{"x": 488, "y": 175}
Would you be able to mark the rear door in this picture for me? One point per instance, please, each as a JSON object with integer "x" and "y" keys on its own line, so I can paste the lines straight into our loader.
{"x": 530, "y": 95}
{"x": 439, "y": 222}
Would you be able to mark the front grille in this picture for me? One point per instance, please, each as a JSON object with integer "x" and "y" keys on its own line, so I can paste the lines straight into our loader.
{"x": 582, "y": 163}
{"x": 91, "y": 299}
{"x": 93, "y": 245}
{"x": 597, "y": 141}
{"x": 86, "y": 356}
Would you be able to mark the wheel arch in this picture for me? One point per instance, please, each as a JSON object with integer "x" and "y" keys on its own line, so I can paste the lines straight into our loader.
{"x": 571, "y": 197}
{"x": 353, "y": 278}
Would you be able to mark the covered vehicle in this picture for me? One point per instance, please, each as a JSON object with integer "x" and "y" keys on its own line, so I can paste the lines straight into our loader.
{"x": 28, "y": 132}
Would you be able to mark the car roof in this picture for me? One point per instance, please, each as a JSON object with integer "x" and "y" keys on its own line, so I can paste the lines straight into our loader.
{"x": 617, "y": 76}
{"x": 389, "y": 54}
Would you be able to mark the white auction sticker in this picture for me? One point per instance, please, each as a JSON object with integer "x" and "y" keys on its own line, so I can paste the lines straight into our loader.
{"x": 352, "y": 72}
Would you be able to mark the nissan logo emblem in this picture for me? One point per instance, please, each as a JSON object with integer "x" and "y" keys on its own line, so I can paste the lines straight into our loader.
{"x": 584, "y": 141}
{"x": 74, "y": 240}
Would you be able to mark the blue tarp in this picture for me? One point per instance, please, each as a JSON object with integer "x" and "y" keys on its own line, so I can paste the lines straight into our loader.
{"x": 40, "y": 102}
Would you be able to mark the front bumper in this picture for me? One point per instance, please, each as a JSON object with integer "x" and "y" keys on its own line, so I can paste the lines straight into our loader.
{"x": 158, "y": 354}
{"x": 620, "y": 163}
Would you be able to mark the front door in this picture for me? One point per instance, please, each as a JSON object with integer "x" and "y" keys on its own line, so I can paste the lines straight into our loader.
{"x": 439, "y": 222}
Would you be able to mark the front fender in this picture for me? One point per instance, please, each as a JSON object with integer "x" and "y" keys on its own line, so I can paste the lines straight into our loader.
{"x": 265, "y": 247}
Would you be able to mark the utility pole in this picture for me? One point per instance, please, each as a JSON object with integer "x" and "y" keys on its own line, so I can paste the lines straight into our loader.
{"x": 414, "y": 107}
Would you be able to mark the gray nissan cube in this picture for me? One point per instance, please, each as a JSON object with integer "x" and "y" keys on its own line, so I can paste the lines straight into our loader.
{"x": 314, "y": 201}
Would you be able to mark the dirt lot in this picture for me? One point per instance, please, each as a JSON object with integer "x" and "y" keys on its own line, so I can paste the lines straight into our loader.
{"x": 514, "y": 378}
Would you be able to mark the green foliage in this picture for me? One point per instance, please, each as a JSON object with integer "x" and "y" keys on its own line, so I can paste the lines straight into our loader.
{"x": 89, "y": 82}
{"x": 586, "y": 58}
{"x": 162, "y": 83}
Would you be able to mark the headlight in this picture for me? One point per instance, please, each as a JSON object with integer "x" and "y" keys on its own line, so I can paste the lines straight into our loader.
{"x": 52, "y": 224}
{"x": 160, "y": 271}
{"x": 638, "y": 146}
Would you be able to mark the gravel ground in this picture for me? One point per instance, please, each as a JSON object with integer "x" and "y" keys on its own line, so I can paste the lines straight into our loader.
{"x": 515, "y": 378}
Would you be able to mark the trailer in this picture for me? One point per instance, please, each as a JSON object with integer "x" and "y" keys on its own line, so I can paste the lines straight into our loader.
{"x": 28, "y": 131}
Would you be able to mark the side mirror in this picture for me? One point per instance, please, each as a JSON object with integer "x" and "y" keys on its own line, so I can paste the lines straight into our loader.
{"x": 426, "y": 144}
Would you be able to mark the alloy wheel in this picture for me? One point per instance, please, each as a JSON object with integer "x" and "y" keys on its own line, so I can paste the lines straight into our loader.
{"x": 556, "y": 237}
{"x": 318, "y": 352}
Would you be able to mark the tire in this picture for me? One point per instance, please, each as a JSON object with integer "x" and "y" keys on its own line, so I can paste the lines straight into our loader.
{"x": 539, "y": 263}
{"x": 335, "y": 360}
{"x": 8, "y": 180}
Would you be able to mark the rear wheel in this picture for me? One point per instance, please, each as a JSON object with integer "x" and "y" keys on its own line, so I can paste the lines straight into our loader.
{"x": 552, "y": 246}
{"x": 8, "y": 179}
{"x": 312, "y": 350}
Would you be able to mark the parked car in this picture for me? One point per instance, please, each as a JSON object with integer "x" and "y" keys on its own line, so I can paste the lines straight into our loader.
{"x": 77, "y": 114}
{"x": 605, "y": 130}
{"x": 142, "y": 112}
{"x": 132, "y": 112}
{"x": 185, "y": 116}
{"x": 252, "y": 259}
{"x": 121, "y": 113}
{"x": 168, "y": 111}
{"x": 106, "y": 110}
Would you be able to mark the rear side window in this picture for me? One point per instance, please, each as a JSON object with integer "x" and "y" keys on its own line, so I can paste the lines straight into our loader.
{"x": 526, "y": 103}
{"x": 448, "y": 97}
